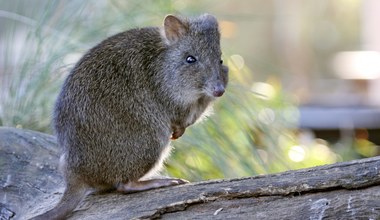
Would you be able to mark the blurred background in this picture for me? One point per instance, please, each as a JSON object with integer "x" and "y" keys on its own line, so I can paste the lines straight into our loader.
{"x": 304, "y": 77}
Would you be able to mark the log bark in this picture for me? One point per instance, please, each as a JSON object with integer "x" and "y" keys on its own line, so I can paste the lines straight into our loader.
{"x": 30, "y": 184}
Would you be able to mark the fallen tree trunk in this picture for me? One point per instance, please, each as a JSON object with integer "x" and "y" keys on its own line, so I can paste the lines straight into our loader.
{"x": 31, "y": 185}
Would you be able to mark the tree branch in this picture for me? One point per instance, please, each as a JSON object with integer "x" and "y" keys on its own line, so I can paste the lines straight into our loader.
{"x": 348, "y": 190}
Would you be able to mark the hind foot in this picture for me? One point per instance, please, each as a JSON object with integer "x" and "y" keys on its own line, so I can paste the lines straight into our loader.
{"x": 138, "y": 186}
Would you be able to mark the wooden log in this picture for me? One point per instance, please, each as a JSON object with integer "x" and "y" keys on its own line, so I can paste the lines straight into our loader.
{"x": 31, "y": 184}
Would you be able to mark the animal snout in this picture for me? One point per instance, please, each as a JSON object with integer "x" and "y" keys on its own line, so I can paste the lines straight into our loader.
{"x": 218, "y": 90}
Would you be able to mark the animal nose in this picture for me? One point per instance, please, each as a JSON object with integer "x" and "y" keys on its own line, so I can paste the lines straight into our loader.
{"x": 218, "y": 90}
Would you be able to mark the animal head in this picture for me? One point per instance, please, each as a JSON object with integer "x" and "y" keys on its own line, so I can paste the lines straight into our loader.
{"x": 194, "y": 57}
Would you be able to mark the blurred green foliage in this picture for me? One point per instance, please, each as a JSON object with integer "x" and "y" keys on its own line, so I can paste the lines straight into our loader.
{"x": 253, "y": 132}
{"x": 254, "y": 128}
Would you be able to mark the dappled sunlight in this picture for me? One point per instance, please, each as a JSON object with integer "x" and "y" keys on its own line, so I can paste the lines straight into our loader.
{"x": 366, "y": 148}
{"x": 297, "y": 153}
{"x": 236, "y": 62}
{"x": 263, "y": 90}
{"x": 266, "y": 116}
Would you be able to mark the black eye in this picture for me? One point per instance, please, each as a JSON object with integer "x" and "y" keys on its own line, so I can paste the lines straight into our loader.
{"x": 221, "y": 61}
{"x": 190, "y": 59}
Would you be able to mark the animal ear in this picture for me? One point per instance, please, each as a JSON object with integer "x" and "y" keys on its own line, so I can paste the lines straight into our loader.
{"x": 209, "y": 21}
{"x": 174, "y": 27}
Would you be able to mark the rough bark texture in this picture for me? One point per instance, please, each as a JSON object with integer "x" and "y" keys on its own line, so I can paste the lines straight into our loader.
{"x": 30, "y": 184}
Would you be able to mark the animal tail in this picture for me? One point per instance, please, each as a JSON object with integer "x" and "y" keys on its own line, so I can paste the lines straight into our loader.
{"x": 69, "y": 201}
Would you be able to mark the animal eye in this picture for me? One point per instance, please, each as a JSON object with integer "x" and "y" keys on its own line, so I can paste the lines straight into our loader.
{"x": 221, "y": 61}
{"x": 190, "y": 59}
